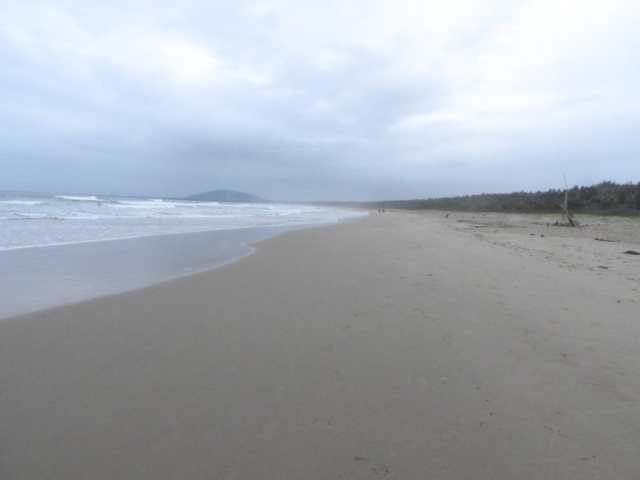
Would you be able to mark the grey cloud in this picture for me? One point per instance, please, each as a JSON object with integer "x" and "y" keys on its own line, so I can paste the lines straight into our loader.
{"x": 101, "y": 99}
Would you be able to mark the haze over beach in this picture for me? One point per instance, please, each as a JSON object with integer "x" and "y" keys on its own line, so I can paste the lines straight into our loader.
{"x": 184, "y": 294}
{"x": 319, "y": 100}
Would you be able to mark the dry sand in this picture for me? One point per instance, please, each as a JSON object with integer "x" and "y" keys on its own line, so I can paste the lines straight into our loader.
{"x": 402, "y": 345}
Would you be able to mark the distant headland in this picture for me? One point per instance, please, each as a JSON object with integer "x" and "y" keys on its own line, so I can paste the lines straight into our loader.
{"x": 226, "y": 196}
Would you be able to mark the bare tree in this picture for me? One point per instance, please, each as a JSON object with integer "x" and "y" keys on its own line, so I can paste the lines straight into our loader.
{"x": 567, "y": 217}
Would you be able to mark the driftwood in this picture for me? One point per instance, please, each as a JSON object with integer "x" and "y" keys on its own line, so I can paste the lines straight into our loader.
{"x": 567, "y": 217}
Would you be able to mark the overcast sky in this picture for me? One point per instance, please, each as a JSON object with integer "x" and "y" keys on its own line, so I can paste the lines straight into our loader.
{"x": 318, "y": 100}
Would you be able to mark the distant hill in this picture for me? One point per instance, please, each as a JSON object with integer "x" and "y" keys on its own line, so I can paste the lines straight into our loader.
{"x": 226, "y": 196}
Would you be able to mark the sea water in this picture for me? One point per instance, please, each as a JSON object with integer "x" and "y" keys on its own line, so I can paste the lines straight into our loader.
{"x": 58, "y": 249}
{"x": 36, "y": 220}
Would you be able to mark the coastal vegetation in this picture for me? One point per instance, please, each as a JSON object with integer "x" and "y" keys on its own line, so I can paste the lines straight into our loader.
{"x": 604, "y": 198}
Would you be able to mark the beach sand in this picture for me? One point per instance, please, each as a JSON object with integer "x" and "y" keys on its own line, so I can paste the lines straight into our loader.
{"x": 402, "y": 345}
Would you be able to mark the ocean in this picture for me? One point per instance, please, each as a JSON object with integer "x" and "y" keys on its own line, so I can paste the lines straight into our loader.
{"x": 37, "y": 220}
{"x": 58, "y": 249}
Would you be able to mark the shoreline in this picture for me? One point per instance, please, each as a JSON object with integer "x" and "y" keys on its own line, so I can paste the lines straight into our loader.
{"x": 400, "y": 345}
{"x": 37, "y": 278}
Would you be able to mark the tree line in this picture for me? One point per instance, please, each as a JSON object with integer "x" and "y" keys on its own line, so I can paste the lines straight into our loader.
{"x": 606, "y": 197}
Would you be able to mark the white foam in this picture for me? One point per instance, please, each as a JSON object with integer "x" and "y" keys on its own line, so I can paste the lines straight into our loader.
{"x": 20, "y": 202}
{"x": 40, "y": 220}
{"x": 75, "y": 198}
{"x": 150, "y": 205}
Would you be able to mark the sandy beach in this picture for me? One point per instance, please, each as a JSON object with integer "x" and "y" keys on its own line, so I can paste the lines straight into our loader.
{"x": 404, "y": 345}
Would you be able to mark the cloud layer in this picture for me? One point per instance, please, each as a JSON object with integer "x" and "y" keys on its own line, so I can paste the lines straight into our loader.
{"x": 317, "y": 100}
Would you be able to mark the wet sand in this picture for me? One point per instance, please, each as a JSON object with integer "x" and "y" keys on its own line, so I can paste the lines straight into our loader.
{"x": 33, "y": 279}
{"x": 403, "y": 345}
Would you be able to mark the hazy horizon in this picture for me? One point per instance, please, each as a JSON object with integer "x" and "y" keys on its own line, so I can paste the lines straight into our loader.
{"x": 285, "y": 200}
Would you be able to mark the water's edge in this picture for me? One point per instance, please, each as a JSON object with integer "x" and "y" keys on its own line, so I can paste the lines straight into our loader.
{"x": 33, "y": 279}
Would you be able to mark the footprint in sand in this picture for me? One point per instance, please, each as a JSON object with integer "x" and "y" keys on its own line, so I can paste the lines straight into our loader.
{"x": 321, "y": 422}
{"x": 381, "y": 471}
